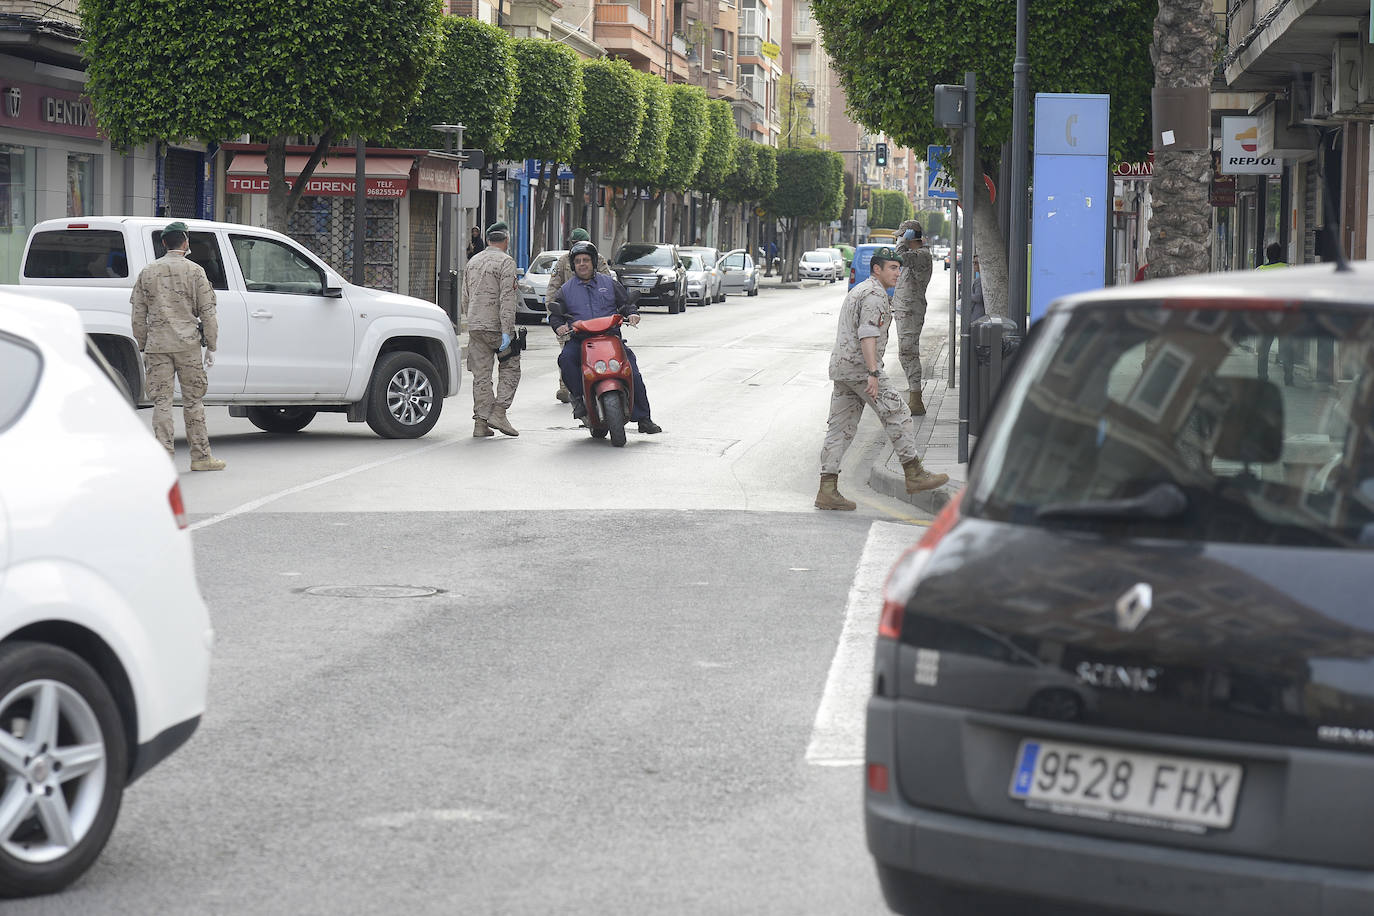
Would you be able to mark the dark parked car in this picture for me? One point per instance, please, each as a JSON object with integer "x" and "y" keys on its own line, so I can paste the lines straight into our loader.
{"x": 655, "y": 272}
{"x": 1131, "y": 667}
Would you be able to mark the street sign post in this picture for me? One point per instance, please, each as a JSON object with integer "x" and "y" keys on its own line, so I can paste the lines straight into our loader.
{"x": 937, "y": 179}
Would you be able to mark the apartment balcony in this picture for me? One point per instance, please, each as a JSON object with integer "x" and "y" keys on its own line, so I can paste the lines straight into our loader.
{"x": 626, "y": 31}
{"x": 1267, "y": 43}
{"x": 64, "y": 11}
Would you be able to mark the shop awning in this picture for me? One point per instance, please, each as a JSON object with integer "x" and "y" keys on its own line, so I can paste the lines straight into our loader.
{"x": 388, "y": 175}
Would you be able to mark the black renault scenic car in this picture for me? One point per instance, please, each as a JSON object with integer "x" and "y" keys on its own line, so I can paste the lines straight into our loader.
{"x": 1131, "y": 667}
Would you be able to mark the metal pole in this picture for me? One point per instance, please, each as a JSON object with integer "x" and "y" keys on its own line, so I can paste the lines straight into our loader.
{"x": 455, "y": 203}
{"x": 966, "y": 192}
{"x": 1020, "y": 144}
{"x": 953, "y": 300}
{"x": 446, "y": 244}
{"x": 359, "y": 210}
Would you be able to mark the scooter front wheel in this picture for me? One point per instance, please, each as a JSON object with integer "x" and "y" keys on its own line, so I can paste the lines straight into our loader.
{"x": 600, "y": 432}
{"x": 613, "y": 412}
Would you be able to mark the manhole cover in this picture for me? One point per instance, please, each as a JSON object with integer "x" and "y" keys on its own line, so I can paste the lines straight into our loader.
{"x": 372, "y": 591}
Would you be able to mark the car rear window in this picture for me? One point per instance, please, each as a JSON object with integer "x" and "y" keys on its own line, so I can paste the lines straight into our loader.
{"x": 1227, "y": 422}
{"x": 76, "y": 254}
{"x": 20, "y": 368}
{"x": 646, "y": 256}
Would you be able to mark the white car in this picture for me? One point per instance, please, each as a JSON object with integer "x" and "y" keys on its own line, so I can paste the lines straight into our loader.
{"x": 534, "y": 286}
{"x": 104, "y": 637}
{"x": 710, "y": 257}
{"x": 738, "y": 273}
{"x": 838, "y": 257}
{"x": 817, "y": 264}
{"x": 701, "y": 279}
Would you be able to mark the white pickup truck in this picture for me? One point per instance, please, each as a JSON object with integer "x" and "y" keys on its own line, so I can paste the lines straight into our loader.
{"x": 294, "y": 337}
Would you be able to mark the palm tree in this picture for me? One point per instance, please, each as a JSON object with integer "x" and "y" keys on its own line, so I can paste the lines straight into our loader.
{"x": 1180, "y": 228}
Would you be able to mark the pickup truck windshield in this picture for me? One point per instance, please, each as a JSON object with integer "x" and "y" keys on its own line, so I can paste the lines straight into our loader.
{"x": 76, "y": 254}
{"x": 1256, "y": 422}
{"x": 646, "y": 256}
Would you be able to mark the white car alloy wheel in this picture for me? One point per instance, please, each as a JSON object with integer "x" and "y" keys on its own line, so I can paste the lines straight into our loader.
{"x": 410, "y": 396}
{"x": 52, "y": 752}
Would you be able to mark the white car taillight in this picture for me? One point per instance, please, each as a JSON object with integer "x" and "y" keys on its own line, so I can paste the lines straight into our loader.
{"x": 907, "y": 573}
{"x": 178, "y": 507}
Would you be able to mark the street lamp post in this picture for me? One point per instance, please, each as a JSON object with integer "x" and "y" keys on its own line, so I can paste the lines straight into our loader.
{"x": 447, "y": 300}
{"x": 1020, "y": 105}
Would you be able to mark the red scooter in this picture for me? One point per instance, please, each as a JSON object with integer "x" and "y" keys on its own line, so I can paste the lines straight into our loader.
{"x": 607, "y": 381}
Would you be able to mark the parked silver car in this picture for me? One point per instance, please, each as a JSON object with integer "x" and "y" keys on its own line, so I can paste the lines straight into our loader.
{"x": 709, "y": 257}
{"x": 739, "y": 273}
{"x": 702, "y": 278}
{"x": 534, "y": 286}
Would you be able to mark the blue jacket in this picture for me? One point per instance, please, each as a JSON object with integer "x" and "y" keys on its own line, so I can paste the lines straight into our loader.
{"x": 598, "y": 297}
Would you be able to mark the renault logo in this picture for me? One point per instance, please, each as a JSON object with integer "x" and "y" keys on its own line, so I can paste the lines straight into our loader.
{"x": 1132, "y": 607}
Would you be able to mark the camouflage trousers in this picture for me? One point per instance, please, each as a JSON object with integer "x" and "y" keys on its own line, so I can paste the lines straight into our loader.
{"x": 847, "y": 402}
{"x": 909, "y": 321}
{"x": 482, "y": 346}
{"x": 186, "y": 367}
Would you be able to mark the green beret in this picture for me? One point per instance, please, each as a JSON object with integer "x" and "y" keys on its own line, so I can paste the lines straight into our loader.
{"x": 178, "y": 226}
{"x": 581, "y": 235}
{"x": 498, "y": 231}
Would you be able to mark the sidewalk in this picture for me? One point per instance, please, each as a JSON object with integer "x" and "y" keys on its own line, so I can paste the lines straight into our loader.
{"x": 775, "y": 282}
{"x": 937, "y": 433}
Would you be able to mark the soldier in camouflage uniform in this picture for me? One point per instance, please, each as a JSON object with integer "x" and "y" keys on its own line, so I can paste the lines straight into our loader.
{"x": 173, "y": 304}
{"x": 856, "y": 368}
{"x": 909, "y": 308}
{"x": 562, "y": 273}
{"x": 489, "y": 295}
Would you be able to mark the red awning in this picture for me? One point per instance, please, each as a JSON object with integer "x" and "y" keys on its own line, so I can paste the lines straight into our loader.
{"x": 388, "y": 176}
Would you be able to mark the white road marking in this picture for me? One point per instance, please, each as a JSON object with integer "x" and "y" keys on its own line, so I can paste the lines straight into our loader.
{"x": 837, "y": 737}
{"x": 402, "y": 819}
{"x": 261, "y": 501}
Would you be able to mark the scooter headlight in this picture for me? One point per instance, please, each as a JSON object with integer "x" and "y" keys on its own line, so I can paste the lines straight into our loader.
{"x": 599, "y": 365}
{"x": 615, "y": 365}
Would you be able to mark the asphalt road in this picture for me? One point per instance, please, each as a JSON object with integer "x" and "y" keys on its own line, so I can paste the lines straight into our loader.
{"x": 607, "y": 702}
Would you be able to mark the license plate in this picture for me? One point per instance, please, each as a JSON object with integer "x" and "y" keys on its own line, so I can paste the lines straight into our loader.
{"x": 1180, "y": 793}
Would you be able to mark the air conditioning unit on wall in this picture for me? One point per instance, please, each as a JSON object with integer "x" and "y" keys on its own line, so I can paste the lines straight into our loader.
{"x": 1318, "y": 107}
{"x": 1346, "y": 76}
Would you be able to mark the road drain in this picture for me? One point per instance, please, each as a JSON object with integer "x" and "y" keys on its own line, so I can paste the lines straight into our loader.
{"x": 371, "y": 591}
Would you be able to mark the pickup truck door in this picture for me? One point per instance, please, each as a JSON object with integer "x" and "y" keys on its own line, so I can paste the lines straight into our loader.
{"x": 300, "y": 341}
{"x": 230, "y": 372}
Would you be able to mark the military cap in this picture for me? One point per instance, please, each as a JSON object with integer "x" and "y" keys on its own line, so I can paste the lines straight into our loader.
{"x": 497, "y": 231}
{"x": 581, "y": 235}
{"x": 884, "y": 254}
{"x": 177, "y": 226}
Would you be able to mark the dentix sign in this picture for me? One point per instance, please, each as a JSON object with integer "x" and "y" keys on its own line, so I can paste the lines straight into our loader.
{"x": 1240, "y": 149}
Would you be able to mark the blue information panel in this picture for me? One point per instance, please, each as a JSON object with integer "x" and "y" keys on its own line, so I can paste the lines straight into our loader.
{"x": 1071, "y": 198}
{"x": 939, "y": 182}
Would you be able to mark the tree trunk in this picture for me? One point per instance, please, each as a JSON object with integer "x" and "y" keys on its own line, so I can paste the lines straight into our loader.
{"x": 544, "y": 196}
{"x": 580, "y": 200}
{"x": 624, "y": 211}
{"x": 991, "y": 247}
{"x": 1181, "y": 224}
{"x": 675, "y": 220}
{"x": 281, "y": 197}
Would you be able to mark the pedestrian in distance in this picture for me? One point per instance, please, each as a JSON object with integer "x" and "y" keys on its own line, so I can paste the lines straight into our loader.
{"x": 475, "y": 244}
{"x": 489, "y": 297}
{"x": 909, "y": 308}
{"x": 856, "y": 373}
{"x": 173, "y": 318}
{"x": 562, "y": 273}
{"x": 1273, "y": 260}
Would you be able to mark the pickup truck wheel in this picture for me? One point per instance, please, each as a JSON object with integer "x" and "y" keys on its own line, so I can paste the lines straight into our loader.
{"x": 65, "y": 740}
{"x": 403, "y": 397}
{"x": 280, "y": 419}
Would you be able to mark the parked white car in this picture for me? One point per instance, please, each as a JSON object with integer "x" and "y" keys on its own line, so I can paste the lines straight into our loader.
{"x": 295, "y": 338}
{"x": 104, "y": 638}
{"x": 710, "y": 257}
{"x": 534, "y": 286}
{"x": 817, "y": 264}
{"x": 738, "y": 273}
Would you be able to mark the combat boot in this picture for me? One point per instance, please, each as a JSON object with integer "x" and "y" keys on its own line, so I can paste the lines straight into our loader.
{"x": 480, "y": 429}
{"x": 915, "y": 403}
{"x": 208, "y": 463}
{"x": 562, "y": 393}
{"x": 828, "y": 497}
{"x": 918, "y": 479}
{"x": 497, "y": 421}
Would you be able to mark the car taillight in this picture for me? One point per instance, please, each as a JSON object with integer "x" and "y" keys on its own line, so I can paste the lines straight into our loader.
{"x": 906, "y": 575}
{"x": 178, "y": 507}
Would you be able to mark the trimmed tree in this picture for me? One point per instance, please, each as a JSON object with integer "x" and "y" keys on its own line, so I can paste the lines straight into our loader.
{"x": 640, "y": 170}
{"x": 612, "y": 118}
{"x": 804, "y": 187}
{"x": 687, "y": 132}
{"x": 718, "y": 155}
{"x": 750, "y": 183}
{"x": 173, "y": 69}
{"x": 888, "y": 54}
{"x": 546, "y": 123}
{"x": 472, "y": 83}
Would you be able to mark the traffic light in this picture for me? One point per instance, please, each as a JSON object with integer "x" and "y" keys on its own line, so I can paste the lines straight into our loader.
{"x": 881, "y": 157}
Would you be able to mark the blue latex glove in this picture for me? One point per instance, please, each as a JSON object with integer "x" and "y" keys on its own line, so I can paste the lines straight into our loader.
{"x": 505, "y": 341}
{"x": 909, "y": 234}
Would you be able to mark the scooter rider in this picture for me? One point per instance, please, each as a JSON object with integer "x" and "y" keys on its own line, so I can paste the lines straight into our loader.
{"x": 593, "y": 295}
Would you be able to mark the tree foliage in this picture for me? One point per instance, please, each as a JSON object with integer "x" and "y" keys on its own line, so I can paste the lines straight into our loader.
{"x": 645, "y": 162}
{"x": 612, "y": 114}
{"x": 471, "y": 83}
{"x": 687, "y": 131}
{"x": 548, "y": 104}
{"x": 890, "y": 55}
{"x": 887, "y": 209}
{"x": 804, "y": 184}
{"x": 718, "y": 155}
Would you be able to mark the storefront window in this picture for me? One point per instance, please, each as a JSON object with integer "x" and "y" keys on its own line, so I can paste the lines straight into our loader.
{"x": 81, "y": 184}
{"x": 18, "y": 199}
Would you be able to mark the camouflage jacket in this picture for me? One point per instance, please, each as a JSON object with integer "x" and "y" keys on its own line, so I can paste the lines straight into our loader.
{"x": 867, "y": 312}
{"x": 489, "y": 291}
{"x": 563, "y": 272}
{"x": 916, "y": 270}
{"x": 172, "y": 300}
